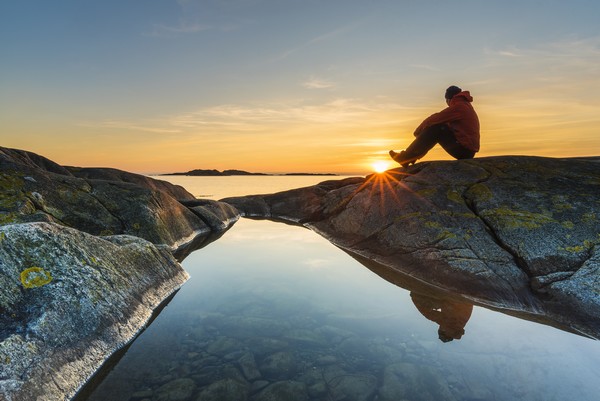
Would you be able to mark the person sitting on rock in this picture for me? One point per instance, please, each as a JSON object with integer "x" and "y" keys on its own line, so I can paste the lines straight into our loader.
{"x": 456, "y": 129}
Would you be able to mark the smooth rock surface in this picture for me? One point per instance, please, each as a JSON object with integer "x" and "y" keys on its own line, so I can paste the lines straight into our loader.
{"x": 69, "y": 300}
{"x": 515, "y": 232}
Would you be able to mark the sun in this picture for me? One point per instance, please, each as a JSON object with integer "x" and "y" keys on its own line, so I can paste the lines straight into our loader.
{"x": 380, "y": 166}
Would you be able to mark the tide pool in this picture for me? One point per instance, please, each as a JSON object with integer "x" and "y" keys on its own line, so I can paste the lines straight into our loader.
{"x": 275, "y": 312}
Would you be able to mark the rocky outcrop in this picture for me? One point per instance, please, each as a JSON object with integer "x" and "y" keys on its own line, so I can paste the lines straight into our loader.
{"x": 100, "y": 201}
{"x": 69, "y": 300}
{"x": 86, "y": 256}
{"x": 514, "y": 233}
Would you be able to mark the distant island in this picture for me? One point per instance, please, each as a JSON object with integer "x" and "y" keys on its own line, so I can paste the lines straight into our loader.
{"x": 217, "y": 173}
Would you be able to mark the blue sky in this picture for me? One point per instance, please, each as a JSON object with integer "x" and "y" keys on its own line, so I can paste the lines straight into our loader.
{"x": 155, "y": 86}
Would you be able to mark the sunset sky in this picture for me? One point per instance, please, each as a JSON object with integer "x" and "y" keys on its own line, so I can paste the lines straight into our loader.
{"x": 291, "y": 85}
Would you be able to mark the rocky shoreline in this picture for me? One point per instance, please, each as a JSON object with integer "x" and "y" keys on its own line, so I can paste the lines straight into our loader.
{"x": 86, "y": 256}
{"x": 513, "y": 233}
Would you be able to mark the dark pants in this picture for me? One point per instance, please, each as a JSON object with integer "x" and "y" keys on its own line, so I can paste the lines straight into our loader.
{"x": 433, "y": 135}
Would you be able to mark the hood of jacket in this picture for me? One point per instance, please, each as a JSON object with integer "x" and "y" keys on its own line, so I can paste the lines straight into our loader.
{"x": 461, "y": 97}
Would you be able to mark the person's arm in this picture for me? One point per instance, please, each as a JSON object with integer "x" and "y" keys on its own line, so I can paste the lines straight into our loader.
{"x": 451, "y": 113}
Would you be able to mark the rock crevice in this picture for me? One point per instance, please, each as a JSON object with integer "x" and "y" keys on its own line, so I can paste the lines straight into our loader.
{"x": 519, "y": 261}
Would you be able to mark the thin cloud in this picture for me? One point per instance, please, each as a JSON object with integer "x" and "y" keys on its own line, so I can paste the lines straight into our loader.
{"x": 425, "y": 67}
{"x": 320, "y": 38}
{"x": 132, "y": 126}
{"x": 340, "y": 114}
{"x": 509, "y": 53}
{"x": 183, "y": 28}
{"x": 317, "y": 83}
{"x": 566, "y": 51}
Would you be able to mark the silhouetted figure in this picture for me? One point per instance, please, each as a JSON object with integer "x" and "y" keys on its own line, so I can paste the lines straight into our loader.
{"x": 456, "y": 129}
{"x": 451, "y": 316}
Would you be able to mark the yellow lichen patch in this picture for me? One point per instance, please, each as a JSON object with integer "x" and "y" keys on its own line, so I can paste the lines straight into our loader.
{"x": 433, "y": 224}
{"x": 573, "y": 249}
{"x": 2, "y": 237}
{"x": 427, "y": 192}
{"x": 454, "y": 196}
{"x": 35, "y": 277}
{"x": 585, "y": 246}
{"x": 468, "y": 234}
{"x": 409, "y": 216}
{"x": 453, "y": 214}
{"x": 481, "y": 192}
{"x": 561, "y": 203}
{"x": 446, "y": 235}
{"x": 588, "y": 217}
{"x": 136, "y": 226}
{"x": 510, "y": 218}
{"x": 568, "y": 224}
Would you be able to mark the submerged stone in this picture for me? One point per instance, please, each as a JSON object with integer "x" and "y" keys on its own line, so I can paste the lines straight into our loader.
{"x": 280, "y": 366}
{"x": 355, "y": 387}
{"x": 227, "y": 389}
{"x": 248, "y": 366}
{"x": 283, "y": 390}
{"x": 413, "y": 381}
{"x": 176, "y": 390}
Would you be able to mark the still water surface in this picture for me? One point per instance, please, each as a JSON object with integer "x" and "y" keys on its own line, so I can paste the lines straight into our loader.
{"x": 275, "y": 312}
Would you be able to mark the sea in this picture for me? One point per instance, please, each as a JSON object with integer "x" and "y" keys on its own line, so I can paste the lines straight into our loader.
{"x": 276, "y": 312}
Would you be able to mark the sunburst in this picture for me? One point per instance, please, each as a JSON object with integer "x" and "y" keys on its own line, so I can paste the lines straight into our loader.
{"x": 380, "y": 166}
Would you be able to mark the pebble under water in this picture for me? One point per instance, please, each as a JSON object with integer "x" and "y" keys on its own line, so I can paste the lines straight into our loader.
{"x": 275, "y": 312}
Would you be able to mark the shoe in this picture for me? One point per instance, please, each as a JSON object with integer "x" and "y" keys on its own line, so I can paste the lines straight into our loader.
{"x": 401, "y": 158}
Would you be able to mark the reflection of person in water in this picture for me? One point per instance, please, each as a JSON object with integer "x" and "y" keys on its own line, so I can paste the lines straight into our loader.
{"x": 451, "y": 316}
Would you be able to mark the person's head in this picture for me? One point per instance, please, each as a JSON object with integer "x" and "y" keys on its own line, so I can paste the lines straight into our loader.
{"x": 451, "y": 92}
{"x": 449, "y": 333}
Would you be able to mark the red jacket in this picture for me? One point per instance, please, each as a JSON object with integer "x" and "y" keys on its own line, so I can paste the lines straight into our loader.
{"x": 461, "y": 118}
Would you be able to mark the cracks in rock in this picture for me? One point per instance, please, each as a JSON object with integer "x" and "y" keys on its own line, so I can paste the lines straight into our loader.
{"x": 62, "y": 390}
{"x": 370, "y": 237}
{"x": 539, "y": 283}
{"x": 590, "y": 254}
{"x": 470, "y": 204}
{"x": 38, "y": 205}
{"x": 542, "y": 281}
{"x": 202, "y": 218}
{"x": 117, "y": 218}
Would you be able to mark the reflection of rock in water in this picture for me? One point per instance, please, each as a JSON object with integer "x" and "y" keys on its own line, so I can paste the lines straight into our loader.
{"x": 459, "y": 226}
{"x": 416, "y": 286}
{"x": 451, "y": 316}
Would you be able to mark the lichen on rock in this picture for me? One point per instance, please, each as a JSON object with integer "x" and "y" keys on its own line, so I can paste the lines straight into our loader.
{"x": 82, "y": 312}
{"x": 86, "y": 256}
{"x": 33, "y": 277}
